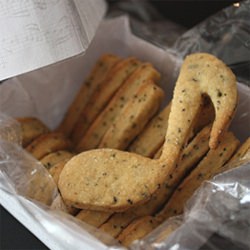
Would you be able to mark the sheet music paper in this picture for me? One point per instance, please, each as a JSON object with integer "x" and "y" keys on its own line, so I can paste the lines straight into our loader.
{"x": 36, "y": 33}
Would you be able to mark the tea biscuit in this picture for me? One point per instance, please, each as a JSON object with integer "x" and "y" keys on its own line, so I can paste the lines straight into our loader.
{"x": 133, "y": 117}
{"x": 48, "y": 143}
{"x": 94, "y": 218}
{"x": 116, "y": 223}
{"x": 153, "y": 136}
{"x": 101, "y": 96}
{"x": 53, "y": 158}
{"x": 206, "y": 169}
{"x": 57, "y": 168}
{"x": 31, "y": 128}
{"x": 135, "y": 231}
{"x": 243, "y": 152}
{"x": 124, "y": 95}
{"x": 93, "y": 81}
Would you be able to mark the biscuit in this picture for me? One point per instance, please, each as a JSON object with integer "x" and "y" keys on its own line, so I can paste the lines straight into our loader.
{"x": 110, "y": 179}
{"x": 94, "y": 218}
{"x": 153, "y": 136}
{"x": 101, "y": 96}
{"x": 57, "y": 168}
{"x": 48, "y": 143}
{"x": 31, "y": 128}
{"x": 133, "y": 117}
{"x": 242, "y": 153}
{"x": 124, "y": 94}
{"x": 135, "y": 231}
{"x": 210, "y": 165}
{"x": 94, "y": 80}
{"x": 53, "y": 158}
{"x": 116, "y": 223}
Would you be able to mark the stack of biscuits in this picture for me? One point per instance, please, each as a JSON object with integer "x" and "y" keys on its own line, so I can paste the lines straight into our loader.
{"x": 119, "y": 106}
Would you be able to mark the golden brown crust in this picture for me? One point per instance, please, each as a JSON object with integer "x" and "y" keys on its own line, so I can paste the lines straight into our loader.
{"x": 57, "y": 168}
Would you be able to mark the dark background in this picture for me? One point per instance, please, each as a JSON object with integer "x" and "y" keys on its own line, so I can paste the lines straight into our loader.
{"x": 186, "y": 13}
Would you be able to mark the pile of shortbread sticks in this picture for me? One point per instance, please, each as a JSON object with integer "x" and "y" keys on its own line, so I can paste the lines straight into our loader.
{"x": 118, "y": 106}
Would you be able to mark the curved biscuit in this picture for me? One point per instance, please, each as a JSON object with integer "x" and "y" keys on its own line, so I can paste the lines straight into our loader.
{"x": 116, "y": 223}
{"x": 243, "y": 152}
{"x": 57, "y": 168}
{"x": 137, "y": 230}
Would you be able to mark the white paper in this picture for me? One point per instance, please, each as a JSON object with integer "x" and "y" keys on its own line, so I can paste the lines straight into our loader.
{"x": 46, "y": 93}
{"x": 35, "y": 33}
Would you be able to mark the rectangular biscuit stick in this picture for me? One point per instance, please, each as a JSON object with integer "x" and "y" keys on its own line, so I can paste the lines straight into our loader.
{"x": 153, "y": 136}
{"x": 31, "y": 128}
{"x": 116, "y": 223}
{"x": 133, "y": 117}
{"x": 207, "y": 168}
{"x": 94, "y": 218}
{"x": 48, "y": 143}
{"x": 142, "y": 226}
{"x": 98, "y": 128}
{"x": 53, "y": 158}
{"x": 137, "y": 229}
{"x": 194, "y": 151}
{"x": 97, "y": 75}
{"x": 101, "y": 96}
{"x": 243, "y": 152}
